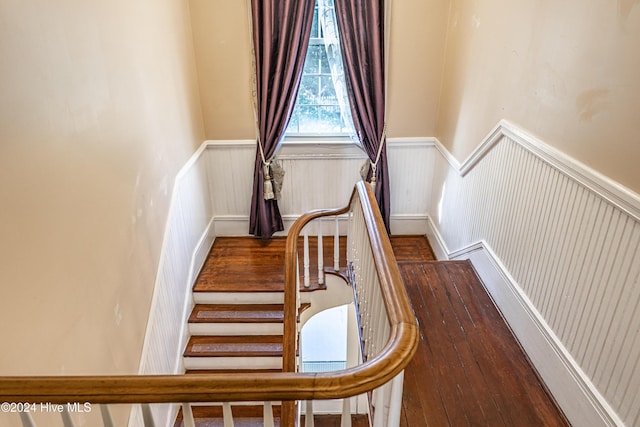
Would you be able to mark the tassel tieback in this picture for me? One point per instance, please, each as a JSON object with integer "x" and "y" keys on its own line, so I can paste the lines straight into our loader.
{"x": 273, "y": 177}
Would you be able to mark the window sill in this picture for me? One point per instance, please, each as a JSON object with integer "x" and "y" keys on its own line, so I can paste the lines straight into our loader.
{"x": 319, "y": 147}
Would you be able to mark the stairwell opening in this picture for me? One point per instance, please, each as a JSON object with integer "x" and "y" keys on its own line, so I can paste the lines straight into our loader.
{"x": 324, "y": 340}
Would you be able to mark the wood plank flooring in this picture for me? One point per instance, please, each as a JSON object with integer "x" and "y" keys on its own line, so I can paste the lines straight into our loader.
{"x": 469, "y": 369}
{"x": 247, "y": 264}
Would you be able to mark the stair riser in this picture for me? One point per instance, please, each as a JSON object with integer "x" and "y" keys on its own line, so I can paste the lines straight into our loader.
{"x": 244, "y": 297}
{"x": 239, "y": 362}
{"x": 235, "y": 328}
{"x": 238, "y": 297}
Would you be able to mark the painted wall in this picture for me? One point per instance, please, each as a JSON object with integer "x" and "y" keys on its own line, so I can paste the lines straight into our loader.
{"x": 223, "y": 50}
{"x": 99, "y": 110}
{"x": 567, "y": 71}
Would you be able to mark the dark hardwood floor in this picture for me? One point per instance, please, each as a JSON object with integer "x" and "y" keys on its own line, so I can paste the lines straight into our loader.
{"x": 469, "y": 369}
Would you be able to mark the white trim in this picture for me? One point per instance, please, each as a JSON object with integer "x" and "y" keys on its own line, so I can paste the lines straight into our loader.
{"x": 581, "y": 401}
{"x": 184, "y": 170}
{"x": 317, "y": 148}
{"x": 577, "y": 396}
{"x": 238, "y": 225}
{"x": 408, "y": 224}
{"x": 154, "y": 299}
{"x": 421, "y": 141}
{"x": 231, "y": 225}
{"x": 615, "y": 193}
{"x": 197, "y": 261}
{"x": 320, "y": 151}
{"x": 436, "y": 240}
{"x": 229, "y": 143}
{"x": 201, "y": 251}
{"x": 168, "y": 412}
{"x": 453, "y": 162}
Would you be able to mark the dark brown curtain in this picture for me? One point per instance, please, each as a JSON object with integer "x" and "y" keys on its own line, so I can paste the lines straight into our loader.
{"x": 281, "y": 30}
{"x": 362, "y": 37}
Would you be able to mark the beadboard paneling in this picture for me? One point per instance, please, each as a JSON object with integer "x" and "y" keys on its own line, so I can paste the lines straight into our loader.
{"x": 411, "y": 162}
{"x": 570, "y": 242}
{"x": 319, "y": 176}
{"x": 188, "y": 237}
{"x": 230, "y": 168}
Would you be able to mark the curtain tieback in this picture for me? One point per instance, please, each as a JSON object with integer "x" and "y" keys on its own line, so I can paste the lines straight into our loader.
{"x": 268, "y": 185}
{"x": 273, "y": 178}
{"x": 364, "y": 170}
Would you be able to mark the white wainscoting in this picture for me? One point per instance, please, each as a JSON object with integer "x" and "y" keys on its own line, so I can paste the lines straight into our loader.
{"x": 319, "y": 176}
{"x": 187, "y": 240}
{"x": 556, "y": 244}
{"x": 558, "y": 247}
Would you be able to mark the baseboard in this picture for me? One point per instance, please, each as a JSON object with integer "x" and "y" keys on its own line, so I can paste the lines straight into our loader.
{"x": 238, "y": 225}
{"x": 403, "y": 224}
{"x": 197, "y": 261}
{"x": 201, "y": 251}
{"x": 231, "y": 225}
{"x": 582, "y": 404}
{"x": 436, "y": 241}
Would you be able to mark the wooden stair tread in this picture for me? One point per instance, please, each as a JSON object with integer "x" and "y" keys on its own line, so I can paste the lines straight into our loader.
{"x": 258, "y": 262}
{"x": 240, "y": 313}
{"x": 234, "y": 346}
{"x": 237, "y": 313}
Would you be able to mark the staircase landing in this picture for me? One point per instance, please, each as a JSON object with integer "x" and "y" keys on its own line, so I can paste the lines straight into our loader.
{"x": 259, "y": 263}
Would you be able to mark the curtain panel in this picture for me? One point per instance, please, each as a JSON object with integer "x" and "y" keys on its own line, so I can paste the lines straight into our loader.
{"x": 280, "y": 35}
{"x": 362, "y": 34}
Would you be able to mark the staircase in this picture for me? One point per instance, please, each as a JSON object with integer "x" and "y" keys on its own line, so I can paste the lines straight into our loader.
{"x": 236, "y": 324}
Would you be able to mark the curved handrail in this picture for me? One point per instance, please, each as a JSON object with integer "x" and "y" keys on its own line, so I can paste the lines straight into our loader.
{"x": 228, "y": 387}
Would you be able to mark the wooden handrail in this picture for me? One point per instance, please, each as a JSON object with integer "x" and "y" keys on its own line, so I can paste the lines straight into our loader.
{"x": 228, "y": 387}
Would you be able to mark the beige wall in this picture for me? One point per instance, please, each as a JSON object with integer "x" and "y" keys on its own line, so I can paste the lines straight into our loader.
{"x": 222, "y": 44}
{"x": 566, "y": 71}
{"x": 223, "y": 54}
{"x": 99, "y": 109}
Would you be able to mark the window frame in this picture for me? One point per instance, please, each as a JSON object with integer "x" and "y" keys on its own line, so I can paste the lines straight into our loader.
{"x": 321, "y": 138}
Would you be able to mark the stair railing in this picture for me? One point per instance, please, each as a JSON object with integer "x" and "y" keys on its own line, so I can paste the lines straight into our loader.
{"x": 389, "y": 338}
{"x": 382, "y": 307}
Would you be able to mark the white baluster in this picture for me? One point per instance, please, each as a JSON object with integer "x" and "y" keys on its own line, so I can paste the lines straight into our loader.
{"x": 67, "y": 421}
{"x": 306, "y": 258}
{"x": 268, "y": 415}
{"x": 380, "y": 414}
{"x": 27, "y": 419}
{"x": 350, "y": 232}
{"x": 227, "y": 415}
{"x": 379, "y": 321}
{"x": 187, "y": 415}
{"x": 297, "y": 283}
{"x": 320, "y": 254}
{"x": 147, "y": 416}
{"x": 345, "y": 420}
{"x": 107, "y": 420}
{"x": 297, "y": 271}
{"x": 308, "y": 414}
{"x": 336, "y": 247}
{"x": 395, "y": 405}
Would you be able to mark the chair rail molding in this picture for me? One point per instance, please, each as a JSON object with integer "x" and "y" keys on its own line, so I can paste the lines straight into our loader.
{"x": 557, "y": 245}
